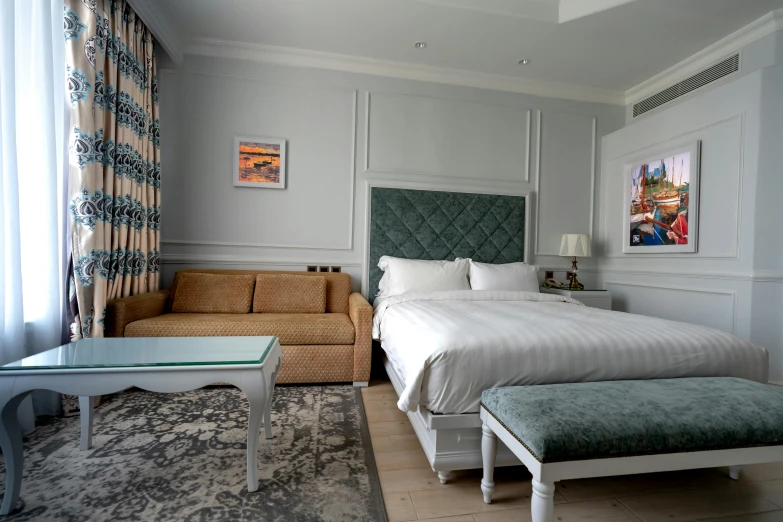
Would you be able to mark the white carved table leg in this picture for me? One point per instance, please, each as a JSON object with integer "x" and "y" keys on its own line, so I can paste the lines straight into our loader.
{"x": 268, "y": 405}
{"x": 256, "y": 391}
{"x": 86, "y": 411}
{"x": 734, "y": 472}
{"x": 443, "y": 476}
{"x": 489, "y": 449}
{"x": 268, "y": 415}
{"x": 11, "y": 444}
{"x": 542, "y": 505}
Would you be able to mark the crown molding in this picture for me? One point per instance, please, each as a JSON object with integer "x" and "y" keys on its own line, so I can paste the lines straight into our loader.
{"x": 164, "y": 31}
{"x": 766, "y": 25}
{"x": 410, "y": 71}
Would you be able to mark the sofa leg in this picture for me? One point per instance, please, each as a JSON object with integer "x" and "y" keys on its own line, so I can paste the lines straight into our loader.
{"x": 360, "y": 384}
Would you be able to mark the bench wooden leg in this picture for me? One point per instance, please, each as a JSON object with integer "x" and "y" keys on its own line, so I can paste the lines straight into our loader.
{"x": 489, "y": 449}
{"x": 542, "y": 506}
{"x": 734, "y": 472}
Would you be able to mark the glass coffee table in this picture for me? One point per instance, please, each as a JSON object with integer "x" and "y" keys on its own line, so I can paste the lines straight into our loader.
{"x": 92, "y": 367}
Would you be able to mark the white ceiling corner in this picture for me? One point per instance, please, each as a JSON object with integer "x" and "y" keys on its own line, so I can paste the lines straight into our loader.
{"x": 540, "y": 10}
{"x": 707, "y": 57}
{"x": 552, "y": 11}
{"x": 428, "y": 73}
{"x": 569, "y": 10}
{"x": 162, "y": 28}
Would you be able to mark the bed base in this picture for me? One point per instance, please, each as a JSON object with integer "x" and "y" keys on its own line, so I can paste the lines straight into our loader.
{"x": 450, "y": 441}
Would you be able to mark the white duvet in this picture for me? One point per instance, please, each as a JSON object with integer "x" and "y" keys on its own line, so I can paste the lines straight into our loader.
{"x": 450, "y": 346}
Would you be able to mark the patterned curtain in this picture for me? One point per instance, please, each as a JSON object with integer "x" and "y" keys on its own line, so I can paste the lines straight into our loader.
{"x": 114, "y": 188}
{"x": 114, "y": 156}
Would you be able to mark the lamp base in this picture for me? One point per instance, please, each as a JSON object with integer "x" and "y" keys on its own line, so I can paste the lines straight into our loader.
{"x": 575, "y": 284}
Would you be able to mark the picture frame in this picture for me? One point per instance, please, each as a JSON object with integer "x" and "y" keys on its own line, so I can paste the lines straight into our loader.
{"x": 661, "y": 200}
{"x": 259, "y": 162}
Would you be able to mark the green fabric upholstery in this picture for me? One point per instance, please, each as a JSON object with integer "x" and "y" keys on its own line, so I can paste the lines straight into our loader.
{"x": 580, "y": 421}
{"x": 425, "y": 224}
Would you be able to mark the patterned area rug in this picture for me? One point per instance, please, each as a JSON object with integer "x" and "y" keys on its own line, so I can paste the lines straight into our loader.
{"x": 182, "y": 457}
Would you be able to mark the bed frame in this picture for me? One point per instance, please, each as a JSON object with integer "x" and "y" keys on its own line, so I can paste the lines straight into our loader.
{"x": 450, "y": 441}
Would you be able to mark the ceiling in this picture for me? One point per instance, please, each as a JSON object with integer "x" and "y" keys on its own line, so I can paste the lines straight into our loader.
{"x": 605, "y": 44}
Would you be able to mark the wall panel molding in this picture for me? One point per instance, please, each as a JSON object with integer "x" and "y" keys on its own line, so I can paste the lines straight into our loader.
{"x": 199, "y": 259}
{"x": 756, "y": 276}
{"x": 537, "y": 174}
{"x": 689, "y": 290}
{"x": 693, "y": 134}
{"x": 429, "y": 175}
{"x": 349, "y": 245}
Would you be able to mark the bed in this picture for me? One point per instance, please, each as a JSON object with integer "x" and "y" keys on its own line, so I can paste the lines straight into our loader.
{"x": 444, "y": 348}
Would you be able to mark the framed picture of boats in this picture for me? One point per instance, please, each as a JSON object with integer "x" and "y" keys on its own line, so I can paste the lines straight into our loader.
{"x": 259, "y": 162}
{"x": 661, "y": 210}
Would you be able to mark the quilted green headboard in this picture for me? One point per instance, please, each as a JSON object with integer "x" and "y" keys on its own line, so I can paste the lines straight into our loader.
{"x": 425, "y": 224}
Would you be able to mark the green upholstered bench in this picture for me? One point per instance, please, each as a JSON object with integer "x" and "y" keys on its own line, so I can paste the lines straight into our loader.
{"x": 579, "y": 430}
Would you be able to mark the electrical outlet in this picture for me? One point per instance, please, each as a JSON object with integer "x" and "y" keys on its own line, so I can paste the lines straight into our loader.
{"x": 311, "y": 268}
{"x": 549, "y": 274}
{"x": 569, "y": 275}
{"x": 323, "y": 268}
{"x": 336, "y": 269}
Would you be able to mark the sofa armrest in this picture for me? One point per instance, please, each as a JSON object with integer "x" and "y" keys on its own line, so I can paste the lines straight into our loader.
{"x": 121, "y": 312}
{"x": 360, "y": 312}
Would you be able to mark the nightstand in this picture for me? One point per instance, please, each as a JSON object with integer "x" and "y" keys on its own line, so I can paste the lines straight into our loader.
{"x": 593, "y": 298}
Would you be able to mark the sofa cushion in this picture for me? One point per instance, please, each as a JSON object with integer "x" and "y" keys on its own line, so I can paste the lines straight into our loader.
{"x": 213, "y": 293}
{"x": 289, "y": 294}
{"x": 302, "y": 329}
{"x": 338, "y": 284}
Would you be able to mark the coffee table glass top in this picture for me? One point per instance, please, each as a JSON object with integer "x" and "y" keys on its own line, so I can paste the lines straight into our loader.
{"x": 133, "y": 352}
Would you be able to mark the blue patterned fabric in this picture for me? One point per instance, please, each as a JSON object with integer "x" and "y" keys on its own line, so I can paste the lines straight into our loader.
{"x": 114, "y": 177}
{"x": 114, "y": 173}
{"x": 425, "y": 224}
{"x": 580, "y": 421}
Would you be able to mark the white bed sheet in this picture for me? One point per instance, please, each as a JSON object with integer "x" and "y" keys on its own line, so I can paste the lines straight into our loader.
{"x": 450, "y": 346}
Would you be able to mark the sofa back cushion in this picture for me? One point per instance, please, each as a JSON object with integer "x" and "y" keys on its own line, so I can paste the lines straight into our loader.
{"x": 338, "y": 284}
{"x": 212, "y": 293}
{"x": 289, "y": 294}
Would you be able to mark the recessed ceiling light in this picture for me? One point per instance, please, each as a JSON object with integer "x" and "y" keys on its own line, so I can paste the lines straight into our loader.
{"x": 524, "y": 61}
{"x": 420, "y": 45}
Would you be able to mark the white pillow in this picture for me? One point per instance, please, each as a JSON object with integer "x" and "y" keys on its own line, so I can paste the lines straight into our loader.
{"x": 402, "y": 276}
{"x": 511, "y": 276}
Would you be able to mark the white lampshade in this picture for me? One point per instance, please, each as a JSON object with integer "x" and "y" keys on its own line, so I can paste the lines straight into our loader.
{"x": 575, "y": 245}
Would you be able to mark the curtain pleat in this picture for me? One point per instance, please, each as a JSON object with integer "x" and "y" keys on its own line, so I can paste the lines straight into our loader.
{"x": 114, "y": 145}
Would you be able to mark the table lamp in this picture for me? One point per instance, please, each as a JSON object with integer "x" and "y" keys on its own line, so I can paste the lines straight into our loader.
{"x": 575, "y": 245}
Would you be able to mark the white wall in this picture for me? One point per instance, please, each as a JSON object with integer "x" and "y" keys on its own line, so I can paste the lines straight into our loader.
{"x": 344, "y": 130}
{"x": 734, "y": 281}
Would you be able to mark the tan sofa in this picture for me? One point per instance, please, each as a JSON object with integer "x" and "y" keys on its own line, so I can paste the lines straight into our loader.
{"x": 325, "y": 330}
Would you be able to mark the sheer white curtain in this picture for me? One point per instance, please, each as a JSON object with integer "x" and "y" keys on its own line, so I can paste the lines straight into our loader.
{"x": 32, "y": 159}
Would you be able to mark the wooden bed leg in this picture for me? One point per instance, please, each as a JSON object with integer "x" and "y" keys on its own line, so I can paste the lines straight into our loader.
{"x": 444, "y": 476}
{"x": 542, "y": 505}
{"x": 489, "y": 449}
{"x": 734, "y": 472}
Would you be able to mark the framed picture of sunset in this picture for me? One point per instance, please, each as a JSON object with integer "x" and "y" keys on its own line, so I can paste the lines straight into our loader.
{"x": 259, "y": 162}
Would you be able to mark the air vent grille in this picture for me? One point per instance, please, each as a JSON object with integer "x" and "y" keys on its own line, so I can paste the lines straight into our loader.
{"x": 719, "y": 70}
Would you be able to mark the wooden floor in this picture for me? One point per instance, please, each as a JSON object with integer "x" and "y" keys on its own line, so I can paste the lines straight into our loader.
{"x": 412, "y": 491}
